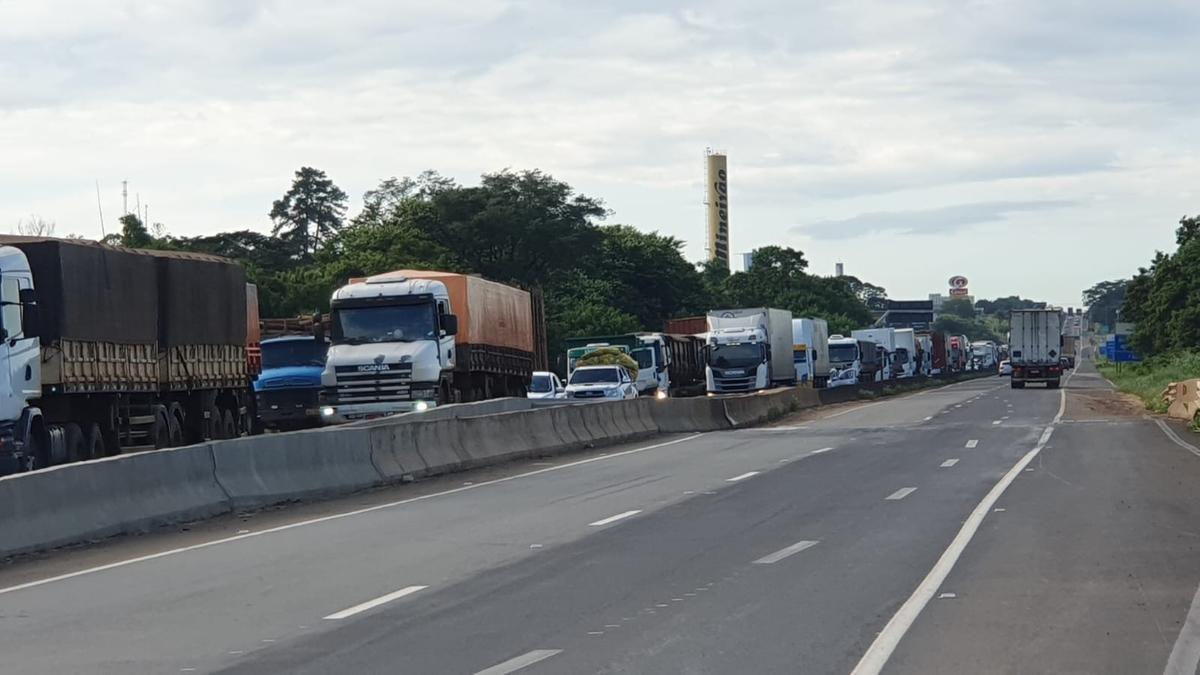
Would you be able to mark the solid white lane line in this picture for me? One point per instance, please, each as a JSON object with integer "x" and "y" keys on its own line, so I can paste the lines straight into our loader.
{"x": 332, "y": 517}
{"x": 972, "y": 443}
{"x": 819, "y": 451}
{"x": 949, "y": 463}
{"x": 901, "y": 493}
{"x": 744, "y": 476}
{"x": 372, "y": 604}
{"x": 877, "y": 655}
{"x": 518, "y": 662}
{"x": 850, "y": 410}
{"x": 1185, "y": 654}
{"x": 785, "y": 552}
{"x": 613, "y": 519}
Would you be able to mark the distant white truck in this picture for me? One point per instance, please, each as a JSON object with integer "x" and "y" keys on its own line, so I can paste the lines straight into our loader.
{"x": 852, "y": 361}
{"x": 984, "y": 355}
{"x": 810, "y": 351}
{"x": 1035, "y": 347}
{"x": 904, "y": 360}
{"x": 885, "y": 338}
{"x": 748, "y": 350}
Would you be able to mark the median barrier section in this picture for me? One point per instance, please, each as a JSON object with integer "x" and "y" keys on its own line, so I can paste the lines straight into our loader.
{"x": 262, "y": 470}
{"x": 685, "y": 415}
{"x": 117, "y": 495}
{"x": 438, "y": 444}
{"x": 394, "y": 452}
{"x": 639, "y": 418}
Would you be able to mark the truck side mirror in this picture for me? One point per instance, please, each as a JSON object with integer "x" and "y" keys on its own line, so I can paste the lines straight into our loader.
{"x": 30, "y": 322}
{"x": 450, "y": 324}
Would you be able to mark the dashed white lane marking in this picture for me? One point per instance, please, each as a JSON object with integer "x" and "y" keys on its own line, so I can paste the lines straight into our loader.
{"x": 972, "y": 443}
{"x": 744, "y": 476}
{"x": 785, "y": 552}
{"x": 820, "y": 450}
{"x": 949, "y": 463}
{"x": 372, "y": 604}
{"x": 957, "y": 405}
{"x": 997, "y": 421}
{"x": 929, "y": 418}
{"x": 877, "y": 655}
{"x": 901, "y": 493}
{"x": 947, "y": 596}
{"x": 523, "y": 661}
{"x": 613, "y": 519}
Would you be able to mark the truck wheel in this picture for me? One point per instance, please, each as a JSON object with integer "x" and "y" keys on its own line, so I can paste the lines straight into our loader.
{"x": 175, "y": 417}
{"x": 228, "y": 425}
{"x": 160, "y": 431}
{"x": 1017, "y": 385}
{"x": 214, "y": 424}
{"x": 93, "y": 442}
{"x": 73, "y": 436}
{"x": 1052, "y": 384}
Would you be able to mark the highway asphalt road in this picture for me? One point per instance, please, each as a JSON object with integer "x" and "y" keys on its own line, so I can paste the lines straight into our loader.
{"x": 971, "y": 528}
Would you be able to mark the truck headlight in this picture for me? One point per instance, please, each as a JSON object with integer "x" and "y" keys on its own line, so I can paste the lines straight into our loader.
{"x": 613, "y": 393}
{"x": 328, "y": 411}
{"x": 660, "y": 394}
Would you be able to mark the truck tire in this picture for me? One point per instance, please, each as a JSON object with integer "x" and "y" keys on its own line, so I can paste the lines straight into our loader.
{"x": 229, "y": 425}
{"x": 175, "y": 424}
{"x": 1052, "y": 384}
{"x": 93, "y": 442}
{"x": 160, "y": 430}
{"x": 76, "y": 448}
{"x": 214, "y": 425}
{"x": 1017, "y": 385}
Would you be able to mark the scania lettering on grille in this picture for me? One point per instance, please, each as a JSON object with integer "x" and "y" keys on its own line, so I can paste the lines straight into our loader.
{"x": 374, "y": 368}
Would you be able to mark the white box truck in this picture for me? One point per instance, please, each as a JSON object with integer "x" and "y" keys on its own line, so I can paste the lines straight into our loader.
{"x": 904, "y": 360}
{"x": 1035, "y": 347}
{"x": 748, "y": 350}
{"x": 810, "y": 351}
{"x": 885, "y": 339}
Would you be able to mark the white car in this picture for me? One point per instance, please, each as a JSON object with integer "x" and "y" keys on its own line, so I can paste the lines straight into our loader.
{"x": 1005, "y": 368}
{"x": 600, "y": 383}
{"x": 545, "y": 385}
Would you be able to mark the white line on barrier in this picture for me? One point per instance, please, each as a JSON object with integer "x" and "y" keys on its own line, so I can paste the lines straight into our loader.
{"x": 523, "y": 661}
{"x": 372, "y": 604}
{"x": 877, "y": 655}
{"x": 613, "y": 519}
{"x": 331, "y": 517}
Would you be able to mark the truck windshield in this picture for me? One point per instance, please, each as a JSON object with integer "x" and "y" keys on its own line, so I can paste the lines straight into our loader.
{"x": 593, "y": 376}
{"x": 900, "y": 355}
{"x": 386, "y": 323}
{"x": 294, "y": 353}
{"x": 644, "y": 357}
{"x": 735, "y": 356}
{"x": 843, "y": 353}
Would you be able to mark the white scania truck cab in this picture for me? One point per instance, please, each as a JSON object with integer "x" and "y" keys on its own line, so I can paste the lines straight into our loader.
{"x": 391, "y": 348}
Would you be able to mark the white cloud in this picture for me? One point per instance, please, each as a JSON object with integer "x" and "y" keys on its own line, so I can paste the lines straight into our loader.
{"x": 829, "y": 111}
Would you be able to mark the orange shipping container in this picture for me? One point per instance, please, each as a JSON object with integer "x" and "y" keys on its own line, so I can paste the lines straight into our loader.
{"x": 489, "y": 313}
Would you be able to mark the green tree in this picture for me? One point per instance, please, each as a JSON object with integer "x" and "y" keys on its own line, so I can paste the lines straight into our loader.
{"x": 974, "y": 329}
{"x": 1001, "y": 307}
{"x": 134, "y": 233}
{"x": 959, "y": 307}
{"x": 1104, "y": 300}
{"x": 310, "y": 212}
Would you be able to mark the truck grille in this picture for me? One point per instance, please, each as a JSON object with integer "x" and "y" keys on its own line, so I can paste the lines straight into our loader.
{"x": 734, "y": 383}
{"x": 373, "y": 386}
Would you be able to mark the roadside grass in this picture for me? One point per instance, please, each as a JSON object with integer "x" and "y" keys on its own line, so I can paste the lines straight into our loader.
{"x": 1147, "y": 379}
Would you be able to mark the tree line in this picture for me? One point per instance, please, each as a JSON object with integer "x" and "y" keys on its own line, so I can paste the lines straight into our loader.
{"x": 1162, "y": 300}
{"x": 520, "y": 227}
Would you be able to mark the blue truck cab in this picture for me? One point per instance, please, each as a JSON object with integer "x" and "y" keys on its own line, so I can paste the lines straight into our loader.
{"x": 290, "y": 382}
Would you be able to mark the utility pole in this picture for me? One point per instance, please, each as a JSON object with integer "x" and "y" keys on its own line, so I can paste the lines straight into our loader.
{"x": 125, "y": 197}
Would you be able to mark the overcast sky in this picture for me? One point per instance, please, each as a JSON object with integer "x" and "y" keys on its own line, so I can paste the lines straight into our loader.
{"x": 1034, "y": 146}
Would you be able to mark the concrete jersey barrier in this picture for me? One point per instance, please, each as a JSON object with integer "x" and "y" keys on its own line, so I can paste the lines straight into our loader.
{"x": 118, "y": 495}
{"x": 262, "y": 470}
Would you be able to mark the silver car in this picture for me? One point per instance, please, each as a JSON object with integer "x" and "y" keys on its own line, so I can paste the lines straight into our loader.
{"x": 600, "y": 383}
